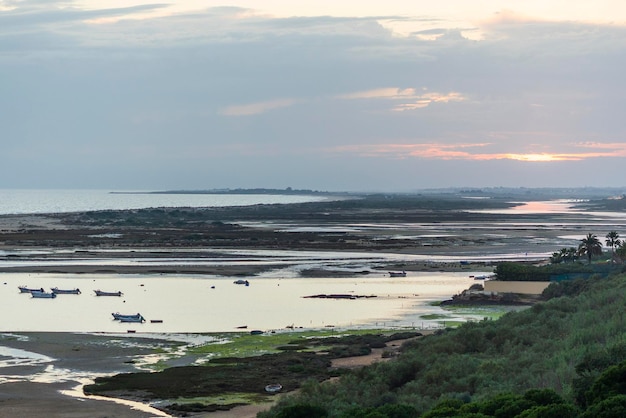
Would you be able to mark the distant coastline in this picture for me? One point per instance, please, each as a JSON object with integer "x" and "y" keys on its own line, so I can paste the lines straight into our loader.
{"x": 261, "y": 191}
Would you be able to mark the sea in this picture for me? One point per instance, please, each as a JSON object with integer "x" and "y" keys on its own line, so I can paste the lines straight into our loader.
{"x": 27, "y": 201}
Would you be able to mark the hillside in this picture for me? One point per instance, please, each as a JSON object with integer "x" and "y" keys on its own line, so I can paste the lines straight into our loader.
{"x": 563, "y": 345}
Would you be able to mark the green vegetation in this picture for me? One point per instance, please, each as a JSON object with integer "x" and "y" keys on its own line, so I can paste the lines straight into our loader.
{"x": 225, "y": 382}
{"x": 613, "y": 241}
{"x": 511, "y": 271}
{"x": 565, "y": 357}
{"x": 590, "y": 246}
{"x": 248, "y": 345}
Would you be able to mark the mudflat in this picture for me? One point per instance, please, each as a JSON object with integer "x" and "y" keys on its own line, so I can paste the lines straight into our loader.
{"x": 438, "y": 228}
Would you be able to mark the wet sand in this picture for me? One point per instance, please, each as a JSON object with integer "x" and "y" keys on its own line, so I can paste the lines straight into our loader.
{"x": 75, "y": 357}
{"x": 27, "y": 399}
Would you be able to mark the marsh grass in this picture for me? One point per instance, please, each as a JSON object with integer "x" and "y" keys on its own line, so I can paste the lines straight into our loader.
{"x": 247, "y": 345}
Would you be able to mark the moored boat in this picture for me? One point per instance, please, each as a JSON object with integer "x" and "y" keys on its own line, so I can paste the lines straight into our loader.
{"x": 140, "y": 319}
{"x": 24, "y": 289}
{"x": 120, "y": 317}
{"x": 42, "y": 295}
{"x": 102, "y": 293}
{"x": 58, "y": 291}
{"x": 397, "y": 274}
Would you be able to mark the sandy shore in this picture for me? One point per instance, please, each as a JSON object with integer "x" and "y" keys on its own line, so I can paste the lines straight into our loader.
{"x": 73, "y": 358}
{"x": 27, "y": 399}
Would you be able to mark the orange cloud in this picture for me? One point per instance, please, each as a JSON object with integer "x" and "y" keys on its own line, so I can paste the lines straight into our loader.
{"x": 475, "y": 151}
{"x": 410, "y": 97}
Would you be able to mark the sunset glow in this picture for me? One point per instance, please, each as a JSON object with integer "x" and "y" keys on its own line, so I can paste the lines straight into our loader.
{"x": 541, "y": 157}
{"x": 464, "y": 152}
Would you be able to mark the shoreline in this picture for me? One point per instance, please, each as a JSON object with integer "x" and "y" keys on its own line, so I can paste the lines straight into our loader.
{"x": 24, "y": 397}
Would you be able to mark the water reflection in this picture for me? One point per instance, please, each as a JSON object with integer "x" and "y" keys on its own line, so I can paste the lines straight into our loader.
{"x": 187, "y": 304}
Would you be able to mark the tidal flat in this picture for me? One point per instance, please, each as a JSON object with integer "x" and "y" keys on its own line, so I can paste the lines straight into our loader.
{"x": 353, "y": 239}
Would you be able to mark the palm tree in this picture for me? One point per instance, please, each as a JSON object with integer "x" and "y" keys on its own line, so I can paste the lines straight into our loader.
{"x": 590, "y": 245}
{"x": 556, "y": 258}
{"x": 567, "y": 254}
{"x": 571, "y": 254}
{"x": 612, "y": 240}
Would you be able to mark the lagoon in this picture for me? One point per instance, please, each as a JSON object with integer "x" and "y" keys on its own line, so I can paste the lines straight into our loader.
{"x": 200, "y": 304}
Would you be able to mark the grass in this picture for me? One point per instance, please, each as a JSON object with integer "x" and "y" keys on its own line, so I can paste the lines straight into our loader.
{"x": 482, "y": 312}
{"x": 226, "y": 399}
{"x": 243, "y": 344}
{"x": 247, "y": 345}
{"x": 432, "y": 317}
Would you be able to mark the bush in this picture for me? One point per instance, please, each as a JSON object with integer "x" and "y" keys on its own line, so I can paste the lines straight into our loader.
{"x": 303, "y": 411}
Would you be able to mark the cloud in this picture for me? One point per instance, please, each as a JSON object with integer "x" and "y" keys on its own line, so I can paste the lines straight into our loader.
{"x": 33, "y": 14}
{"x": 411, "y": 98}
{"x": 257, "y": 108}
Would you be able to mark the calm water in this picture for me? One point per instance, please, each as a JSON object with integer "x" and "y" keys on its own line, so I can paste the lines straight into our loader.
{"x": 188, "y": 304}
{"x": 58, "y": 201}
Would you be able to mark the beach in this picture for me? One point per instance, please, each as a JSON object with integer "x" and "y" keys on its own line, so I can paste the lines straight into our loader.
{"x": 51, "y": 387}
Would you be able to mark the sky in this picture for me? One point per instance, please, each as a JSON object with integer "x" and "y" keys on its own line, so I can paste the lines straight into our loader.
{"x": 325, "y": 95}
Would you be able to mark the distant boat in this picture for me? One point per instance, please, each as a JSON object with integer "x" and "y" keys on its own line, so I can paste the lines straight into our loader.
{"x": 126, "y": 318}
{"x": 397, "y": 274}
{"x": 139, "y": 320}
{"x": 101, "y": 293}
{"x": 242, "y": 281}
{"x": 24, "y": 289}
{"x": 58, "y": 291}
{"x": 42, "y": 295}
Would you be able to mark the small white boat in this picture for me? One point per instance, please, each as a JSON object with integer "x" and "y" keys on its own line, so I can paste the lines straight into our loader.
{"x": 139, "y": 320}
{"x": 273, "y": 388}
{"x": 127, "y": 318}
{"x": 43, "y": 295}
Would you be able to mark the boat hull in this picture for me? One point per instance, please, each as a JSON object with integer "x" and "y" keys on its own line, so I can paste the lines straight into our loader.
{"x": 43, "y": 295}
{"x": 128, "y": 318}
{"x": 58, "y": 291}
{"x": 101, "y": 293}
{"x": 24, "y": 289}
